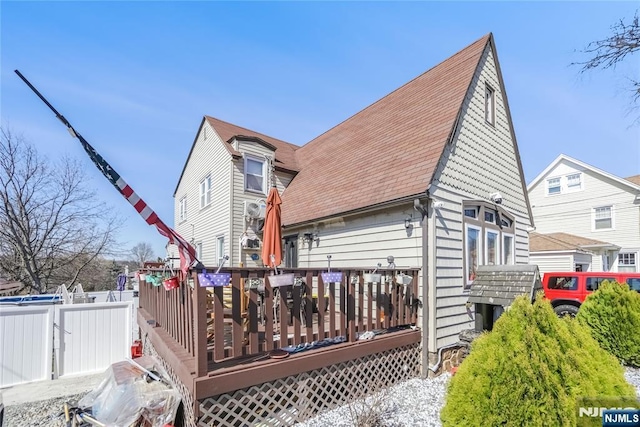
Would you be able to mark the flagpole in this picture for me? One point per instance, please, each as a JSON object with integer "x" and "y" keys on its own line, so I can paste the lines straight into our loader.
{"x": 124, "y": 189}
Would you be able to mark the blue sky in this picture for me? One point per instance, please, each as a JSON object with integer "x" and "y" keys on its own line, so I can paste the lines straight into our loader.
{"x": 135, "y": 78}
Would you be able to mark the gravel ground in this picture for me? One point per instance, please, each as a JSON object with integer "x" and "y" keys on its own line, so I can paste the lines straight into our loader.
{"x": 415, "y": 402}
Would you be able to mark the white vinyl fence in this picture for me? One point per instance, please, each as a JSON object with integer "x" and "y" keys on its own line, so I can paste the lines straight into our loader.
{"x": 45, "y": 342}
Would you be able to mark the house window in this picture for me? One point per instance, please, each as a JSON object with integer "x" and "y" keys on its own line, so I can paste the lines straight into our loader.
{"x": 471, "y": 212}
{"x": 204, "y": 133}
{"x": 199, "y": 251}
{"x": 508, "y": 250}
{"x": 602, "y": 218}
{"x": 574, "y": 181}
{"x": 492, "y": 249}
{"x": 489, "y": 105}
{"x": 220, "y": 249}
{"x": 627, "y": 262}
{"x": 489, "y": 237}
{"x": 553, "y": 186}
{"x": 254, "y": 175}
{"x": 205, "y": 192}
{"x": 183, "y": 209}
{"x": 473, "y": 252}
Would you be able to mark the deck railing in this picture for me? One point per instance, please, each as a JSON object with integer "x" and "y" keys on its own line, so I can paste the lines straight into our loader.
{"x": 249, "y": 316}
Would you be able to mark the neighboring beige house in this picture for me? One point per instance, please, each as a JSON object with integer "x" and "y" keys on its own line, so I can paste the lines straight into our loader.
{"x": 429, "y": 175}
{"x": 564, "y": 252}
{"x": 598, "y": 210}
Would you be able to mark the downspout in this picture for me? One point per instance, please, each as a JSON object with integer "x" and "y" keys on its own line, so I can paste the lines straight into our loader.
{"x": 231, "y": 222}
{"x": 425, "y": 282}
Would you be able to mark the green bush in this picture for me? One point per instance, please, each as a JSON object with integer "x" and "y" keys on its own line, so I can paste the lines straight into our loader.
{"x": 530, "y": 370}
{"x": 612, "y": 315}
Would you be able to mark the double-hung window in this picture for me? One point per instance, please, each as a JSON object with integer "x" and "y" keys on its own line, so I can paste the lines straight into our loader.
{"x": 488, "y": 237}
{"x": 603, "y": 218}
{"x": 205, "y": 192}
{"x": 574, "y": 181}
{"x": 553, "y": 186}
{"x": 183, "y": 209}
{"x": 254, "y": 176}
{"x": 627, "y": 262}
{"x": 220, "y": 249}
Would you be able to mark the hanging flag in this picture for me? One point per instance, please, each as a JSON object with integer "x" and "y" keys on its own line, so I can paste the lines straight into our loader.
{"x": 187, "y": 252}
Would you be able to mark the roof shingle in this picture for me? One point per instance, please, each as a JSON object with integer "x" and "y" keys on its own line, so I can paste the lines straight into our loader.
{"x": 559, "y": 242}
{"x": 385, "y": 152}
{"x": 285, "y": 152}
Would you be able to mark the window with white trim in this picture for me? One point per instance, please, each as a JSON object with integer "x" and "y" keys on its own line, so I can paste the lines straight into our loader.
{"x": 220, "y": 249}
{"x": 205, "y": 192}
{"x": 183, "y": 209}
{"x": 574, "y": 181}
{"x": 492, "y": 247}
{"x": 603, "y": 218}
{"x": 508, "y": 250}
{"x": 254, "y": 176}
{"x": 489, "y": 237}
{"x": 627, "y": 262}
{"x": 489, "y": 104}
{"x": 472, "y": 249}
{"x": 199, "y": 251}
{"x": 553, "y": 186}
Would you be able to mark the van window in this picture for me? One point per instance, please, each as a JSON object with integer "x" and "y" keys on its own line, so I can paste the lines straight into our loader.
{"x": 593, "y": 283}
{"x": 563, "y": 282}
{"x": 634, "y": 283}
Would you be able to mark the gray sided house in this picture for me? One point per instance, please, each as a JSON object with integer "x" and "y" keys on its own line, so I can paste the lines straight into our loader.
{"x": 586, "y": 218}
{"x": 429, "y": 175}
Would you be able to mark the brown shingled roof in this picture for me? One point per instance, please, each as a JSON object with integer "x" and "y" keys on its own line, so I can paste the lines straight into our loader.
{"x": 635, "y": 179}
{"x": 560, "y": 242}
{"x": 285, "y": 152}
{"x": 385, "y": 152}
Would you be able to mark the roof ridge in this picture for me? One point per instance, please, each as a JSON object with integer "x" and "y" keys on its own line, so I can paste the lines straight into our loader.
{"x": 486, "y": 37}
{"x": 251, "y": 131}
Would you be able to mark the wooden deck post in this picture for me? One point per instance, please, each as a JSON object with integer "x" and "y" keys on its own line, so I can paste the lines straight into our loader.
{"x": 200, "y": 326}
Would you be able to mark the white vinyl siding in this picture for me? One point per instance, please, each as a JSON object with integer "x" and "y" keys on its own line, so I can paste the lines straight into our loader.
{"x": 208, "y": 158}
{"x": 574, "y": 212}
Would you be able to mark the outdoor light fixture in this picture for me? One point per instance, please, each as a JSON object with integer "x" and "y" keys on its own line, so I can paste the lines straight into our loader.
{"x": 438, "y": 204}
{"x": 308, "y": 237}
{"x": 407, "y": 222}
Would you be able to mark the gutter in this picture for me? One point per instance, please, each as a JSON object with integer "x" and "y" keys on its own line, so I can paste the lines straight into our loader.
{"x": 426, "y": 313}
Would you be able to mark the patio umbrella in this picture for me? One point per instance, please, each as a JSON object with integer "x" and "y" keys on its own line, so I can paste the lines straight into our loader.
{"x": 272, "y": 237}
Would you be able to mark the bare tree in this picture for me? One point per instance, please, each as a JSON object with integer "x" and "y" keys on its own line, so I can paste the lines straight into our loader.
{"x": 51, "y": 225}
{"x": 142, "y": 252}
{"x": 609, "y": 52}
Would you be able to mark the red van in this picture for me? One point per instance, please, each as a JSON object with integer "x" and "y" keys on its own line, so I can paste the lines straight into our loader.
{"x": 567, "y": 290}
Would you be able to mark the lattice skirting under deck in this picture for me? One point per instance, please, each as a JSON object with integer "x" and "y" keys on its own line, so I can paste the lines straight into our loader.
{"x": 296, "y": 398}
{"x": 185, "y": 416}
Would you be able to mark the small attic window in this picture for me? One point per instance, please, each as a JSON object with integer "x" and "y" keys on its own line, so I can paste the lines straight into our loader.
{"x": 204, "y": 133}
{"x": 489, "y": 104}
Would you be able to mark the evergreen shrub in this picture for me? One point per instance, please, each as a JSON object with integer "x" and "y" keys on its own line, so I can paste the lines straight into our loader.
{"x": 612, "y": 315}
{"x": 530, "y": 371}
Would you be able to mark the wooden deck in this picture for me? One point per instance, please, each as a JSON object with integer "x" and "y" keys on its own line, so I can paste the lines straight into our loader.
{"x": 213, "y": 354}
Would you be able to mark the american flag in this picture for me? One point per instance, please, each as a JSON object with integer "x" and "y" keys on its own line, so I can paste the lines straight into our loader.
{"x": 187, "y": 252}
